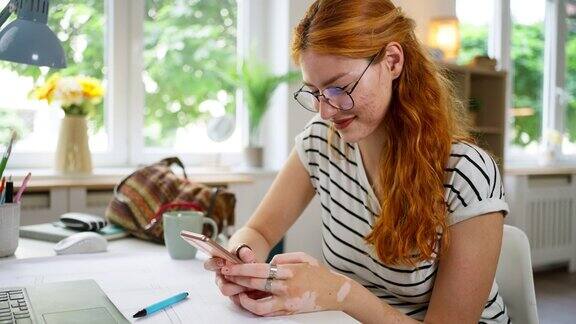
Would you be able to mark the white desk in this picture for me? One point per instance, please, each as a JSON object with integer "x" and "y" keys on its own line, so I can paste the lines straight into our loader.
{"x": 135, "y": 273}
{"x": 29, "y": 248}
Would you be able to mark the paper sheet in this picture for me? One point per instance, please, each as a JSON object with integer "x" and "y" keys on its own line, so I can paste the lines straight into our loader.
{"x": 136, "y": 280}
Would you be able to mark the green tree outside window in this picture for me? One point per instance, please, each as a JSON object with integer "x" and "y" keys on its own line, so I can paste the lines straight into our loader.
{"x": 184, "y": 42}
{"x": 527, "y": 59}
{"x": 79, "y": 26}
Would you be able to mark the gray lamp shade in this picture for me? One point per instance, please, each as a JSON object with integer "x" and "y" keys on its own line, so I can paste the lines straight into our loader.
{"x": 30, "y": 42}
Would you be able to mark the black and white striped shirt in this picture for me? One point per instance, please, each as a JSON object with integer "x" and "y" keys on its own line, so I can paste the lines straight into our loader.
{"x": 349, "y": 208}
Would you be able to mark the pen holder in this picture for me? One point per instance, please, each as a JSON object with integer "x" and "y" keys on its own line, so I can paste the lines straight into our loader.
{"x": 9, "y": 228}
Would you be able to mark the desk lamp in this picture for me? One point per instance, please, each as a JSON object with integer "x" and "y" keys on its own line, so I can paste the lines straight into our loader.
{"x": 444, "y": 34}
{"x": 28, "y": 39}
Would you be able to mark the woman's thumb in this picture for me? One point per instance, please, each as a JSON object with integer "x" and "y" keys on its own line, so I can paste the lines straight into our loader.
{"x": 247, "y": 255}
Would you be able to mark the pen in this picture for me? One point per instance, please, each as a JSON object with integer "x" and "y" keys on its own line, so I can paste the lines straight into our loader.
{"x": 2, "y": 190}
{"x": 22, "y": 188}
{"x": 9, "y": 192}
{"x": 160, "y": 305}
{"x": 7, "y": 153}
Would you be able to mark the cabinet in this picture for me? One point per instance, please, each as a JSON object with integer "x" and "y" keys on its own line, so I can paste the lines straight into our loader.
{"x": 483, "y": 93}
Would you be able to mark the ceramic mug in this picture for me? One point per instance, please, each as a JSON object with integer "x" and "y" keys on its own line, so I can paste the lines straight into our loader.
{"x": 176, "y": 221}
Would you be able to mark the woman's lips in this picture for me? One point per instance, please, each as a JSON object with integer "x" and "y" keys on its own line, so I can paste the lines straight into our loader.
{"x": 343, "y": 123}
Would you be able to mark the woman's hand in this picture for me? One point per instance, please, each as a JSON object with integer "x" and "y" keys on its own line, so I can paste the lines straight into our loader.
{"x": 301, "y": 285}
{"x": 226, "y": 287}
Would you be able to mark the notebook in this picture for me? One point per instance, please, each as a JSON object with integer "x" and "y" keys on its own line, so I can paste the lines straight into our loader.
{"x": 56, "y": 231}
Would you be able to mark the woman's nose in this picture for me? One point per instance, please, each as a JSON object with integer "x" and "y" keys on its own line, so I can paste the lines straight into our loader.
{"x": 326, "y": 109}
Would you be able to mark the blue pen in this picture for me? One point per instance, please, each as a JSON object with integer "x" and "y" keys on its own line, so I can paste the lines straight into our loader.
{"x": 161, "y": 305}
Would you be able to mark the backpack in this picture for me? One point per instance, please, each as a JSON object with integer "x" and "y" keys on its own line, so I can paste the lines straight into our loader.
{"x": 141, "y": 198}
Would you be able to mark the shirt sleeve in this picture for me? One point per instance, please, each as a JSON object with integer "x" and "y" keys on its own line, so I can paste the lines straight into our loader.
{"x": 473, "y": 184}
{"x": 303, "y": 141}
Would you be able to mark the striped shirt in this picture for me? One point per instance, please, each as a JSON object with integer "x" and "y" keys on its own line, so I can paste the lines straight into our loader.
{"x": 349, "y": 208}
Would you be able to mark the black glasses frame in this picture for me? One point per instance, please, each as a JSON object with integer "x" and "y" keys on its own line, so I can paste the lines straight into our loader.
{"x": 321, "y": 93}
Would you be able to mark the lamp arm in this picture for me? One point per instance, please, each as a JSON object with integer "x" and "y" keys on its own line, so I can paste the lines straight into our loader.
{"x": 7, "y": 11}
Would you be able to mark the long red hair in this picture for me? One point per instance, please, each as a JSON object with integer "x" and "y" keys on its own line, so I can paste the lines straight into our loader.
{"x": 422, "y": 121}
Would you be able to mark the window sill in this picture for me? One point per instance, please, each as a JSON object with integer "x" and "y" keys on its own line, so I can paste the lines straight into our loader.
{"x": 107, "y": 178}
{"x": 535, "y": 169}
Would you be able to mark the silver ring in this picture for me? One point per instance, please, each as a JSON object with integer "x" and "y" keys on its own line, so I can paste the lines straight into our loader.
{"x": 237, "y": 250}
{"x": 268, "y": 285}
{"x": 273, "y": 271}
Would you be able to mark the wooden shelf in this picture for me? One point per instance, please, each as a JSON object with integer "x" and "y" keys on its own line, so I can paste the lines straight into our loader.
{"x": 489, "y": 89}
{"x": 487, "y": 130}
{"x": 474, "y": 70}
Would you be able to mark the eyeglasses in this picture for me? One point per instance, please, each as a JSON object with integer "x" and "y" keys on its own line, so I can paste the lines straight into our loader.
{"x": 336, "y": 97}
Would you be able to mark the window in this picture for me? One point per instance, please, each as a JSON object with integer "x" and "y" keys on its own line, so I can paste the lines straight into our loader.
{"x": 475, "y": 18}
{"x": 569, "y": 93}
{"x": 535, "y": 42}
{"x": 161, "y": 62}
{"x": 186, "y": 44}
{"x": 79, "y": 26}
{"x": 527, "y": 54}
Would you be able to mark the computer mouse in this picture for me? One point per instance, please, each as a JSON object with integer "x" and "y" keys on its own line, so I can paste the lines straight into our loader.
{"x": 84, "y": 242}
{"x": 83, "y": 222}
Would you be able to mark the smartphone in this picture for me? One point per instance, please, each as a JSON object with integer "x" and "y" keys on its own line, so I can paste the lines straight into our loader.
{"x": 210, "y": 247}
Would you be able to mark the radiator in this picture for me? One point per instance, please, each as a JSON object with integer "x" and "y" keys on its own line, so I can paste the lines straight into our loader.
{"x": 544, "y": 207}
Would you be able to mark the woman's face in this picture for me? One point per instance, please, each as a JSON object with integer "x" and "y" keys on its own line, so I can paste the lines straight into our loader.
{"x": 371, "y": 96}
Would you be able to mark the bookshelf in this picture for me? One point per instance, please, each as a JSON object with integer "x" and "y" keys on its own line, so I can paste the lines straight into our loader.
{"x": 488, "y": 89}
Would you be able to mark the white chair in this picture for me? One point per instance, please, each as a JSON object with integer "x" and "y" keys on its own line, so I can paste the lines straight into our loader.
{"x": 514, "y": 277}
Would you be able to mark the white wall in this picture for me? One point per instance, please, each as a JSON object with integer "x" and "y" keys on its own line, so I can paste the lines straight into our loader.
{"x": 422, "y": 10}
{"x": 306, "y": 234}
{"x": 270, "y": 29}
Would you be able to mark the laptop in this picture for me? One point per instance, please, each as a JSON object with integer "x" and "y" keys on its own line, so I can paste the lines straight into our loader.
{"x": 61, "y": 302}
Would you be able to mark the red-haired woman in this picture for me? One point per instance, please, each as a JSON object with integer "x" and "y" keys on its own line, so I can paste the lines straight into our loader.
{"x": 412, "y": 212}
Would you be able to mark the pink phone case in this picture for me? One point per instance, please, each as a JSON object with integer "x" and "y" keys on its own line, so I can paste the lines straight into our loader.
{"x": 210, "y": 247}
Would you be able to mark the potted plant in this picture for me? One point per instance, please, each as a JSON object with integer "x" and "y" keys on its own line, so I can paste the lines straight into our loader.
{"x": 78, "y": 97}
{"x": 258, "y": 84}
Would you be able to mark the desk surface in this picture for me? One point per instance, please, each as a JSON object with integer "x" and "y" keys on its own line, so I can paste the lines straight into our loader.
{"x": 29, "y": 248}
{"x": 134, "y": 273}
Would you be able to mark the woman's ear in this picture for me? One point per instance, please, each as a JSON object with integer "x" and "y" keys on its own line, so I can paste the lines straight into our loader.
{"x": 394, "y": 59}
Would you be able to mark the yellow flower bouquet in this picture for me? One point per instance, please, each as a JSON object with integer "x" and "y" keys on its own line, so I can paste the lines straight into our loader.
{"x": 77, "y": 95}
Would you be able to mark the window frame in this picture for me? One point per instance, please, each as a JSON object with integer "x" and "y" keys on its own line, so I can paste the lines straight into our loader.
{"x": 138, "y": 153}
{"x": 553, "y": 114}
{"x": 124, "y": 102}
{"x": 557, "y": 95}
{"x": 116, "y": 154}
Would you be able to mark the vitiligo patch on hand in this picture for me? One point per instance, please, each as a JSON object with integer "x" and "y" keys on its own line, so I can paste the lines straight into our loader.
{"x": 306, "y": 303}
{"x": 343, "y": 292}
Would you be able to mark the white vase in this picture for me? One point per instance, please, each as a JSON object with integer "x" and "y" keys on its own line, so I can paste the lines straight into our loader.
{"x": 253, "y": 156}
{"x": 73, "y": 153}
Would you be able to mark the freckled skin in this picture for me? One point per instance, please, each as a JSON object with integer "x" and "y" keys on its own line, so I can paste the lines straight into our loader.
{"x": 371, "y": 99}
